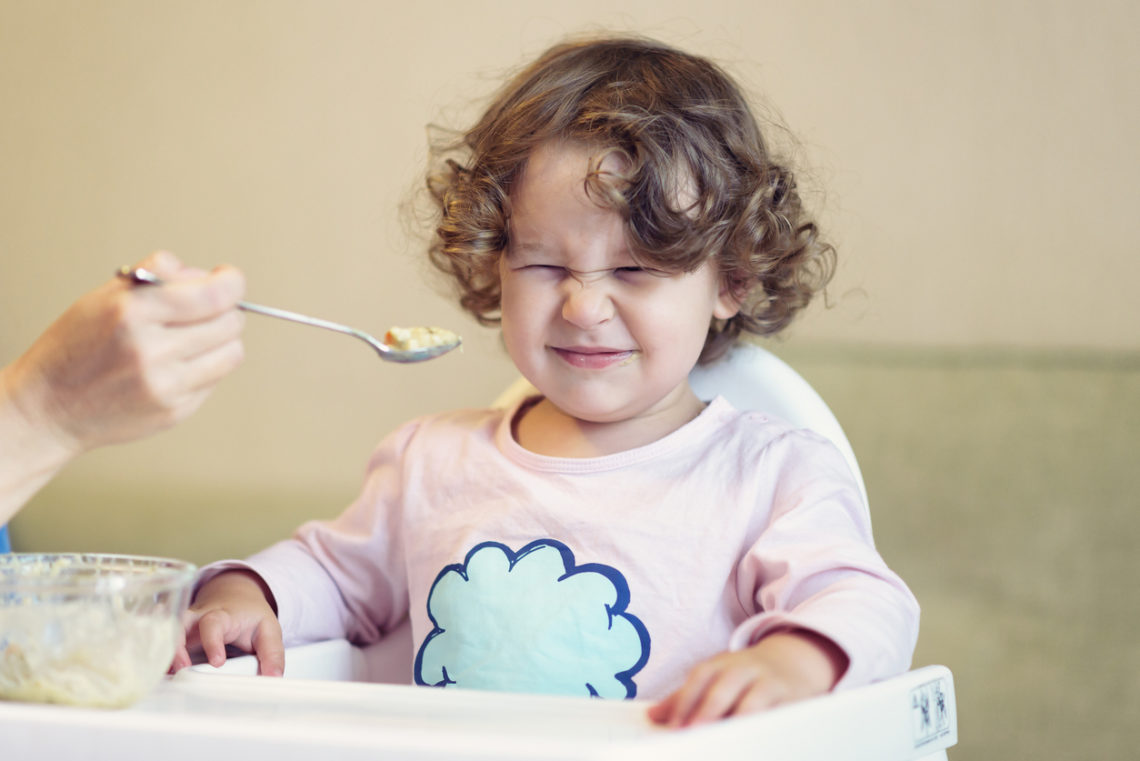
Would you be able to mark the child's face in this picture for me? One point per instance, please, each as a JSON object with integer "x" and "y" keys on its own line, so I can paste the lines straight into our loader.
{"x": 603, "y": 339}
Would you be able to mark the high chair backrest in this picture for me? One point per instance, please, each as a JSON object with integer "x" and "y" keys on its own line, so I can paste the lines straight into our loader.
{"x": 752, "y": 378}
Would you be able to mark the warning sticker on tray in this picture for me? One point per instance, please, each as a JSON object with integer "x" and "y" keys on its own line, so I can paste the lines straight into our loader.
{"x": 930, "y": 712}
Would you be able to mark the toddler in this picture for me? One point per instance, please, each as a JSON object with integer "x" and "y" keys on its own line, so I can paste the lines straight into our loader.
{"x": 617, "y": 211}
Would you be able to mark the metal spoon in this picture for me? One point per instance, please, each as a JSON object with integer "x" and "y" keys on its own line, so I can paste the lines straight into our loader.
{"x": 386, "y": 351}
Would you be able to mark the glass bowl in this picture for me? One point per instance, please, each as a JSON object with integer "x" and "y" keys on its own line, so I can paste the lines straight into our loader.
{"x": 88, "y": 629}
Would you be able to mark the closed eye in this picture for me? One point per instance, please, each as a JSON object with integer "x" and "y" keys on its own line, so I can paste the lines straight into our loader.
{"x": 541, "y": 272}
{"x": 638, "y": 273}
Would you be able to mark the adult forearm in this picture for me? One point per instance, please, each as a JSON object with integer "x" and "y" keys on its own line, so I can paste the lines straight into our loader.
{"x": 31, "y": 451}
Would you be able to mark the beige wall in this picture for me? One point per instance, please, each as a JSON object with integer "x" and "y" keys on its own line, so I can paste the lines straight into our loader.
{"x": 978, "y": 158}
{"x": 976, "y": 162}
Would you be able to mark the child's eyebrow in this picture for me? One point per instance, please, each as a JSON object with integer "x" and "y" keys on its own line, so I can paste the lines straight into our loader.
{"x": 516, "y": 247}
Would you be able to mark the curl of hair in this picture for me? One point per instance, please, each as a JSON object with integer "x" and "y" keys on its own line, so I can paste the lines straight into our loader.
{"x": 700, "y": 185}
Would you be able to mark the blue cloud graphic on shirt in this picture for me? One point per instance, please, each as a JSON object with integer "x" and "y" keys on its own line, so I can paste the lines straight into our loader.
{"x": 532, "y": 621}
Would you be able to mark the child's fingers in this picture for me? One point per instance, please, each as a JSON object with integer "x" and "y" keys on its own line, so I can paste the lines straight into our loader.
{"x": 662, "y": 711}
{"x": 718, "y": 699}
{"x": 213, "y": 634}
{"x": 267, "y": 643}
{"x": 181, "y": 659}
{"x": 189, "y": 637}
{"x": 676, "y": 710}
{"x": 760, "y": 696}
{"x": 181, "y": 655}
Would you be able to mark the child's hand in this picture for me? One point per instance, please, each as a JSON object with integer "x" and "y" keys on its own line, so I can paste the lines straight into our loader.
{"x": 780, "y": 668}
{"x": 233, "y": 608}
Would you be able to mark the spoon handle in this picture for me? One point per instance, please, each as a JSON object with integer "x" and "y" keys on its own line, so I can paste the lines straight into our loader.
{"x": 140, "y": 275}
{"x": 405, "y": 355}
{"x": 316, "y": 322}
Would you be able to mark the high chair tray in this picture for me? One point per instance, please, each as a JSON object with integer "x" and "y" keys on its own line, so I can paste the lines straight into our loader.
{"x": 314, "y": 714}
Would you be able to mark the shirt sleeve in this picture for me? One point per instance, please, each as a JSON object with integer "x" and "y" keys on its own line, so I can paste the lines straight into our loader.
{"x": 345, "y": 577}
{"x": 814, "y": 566}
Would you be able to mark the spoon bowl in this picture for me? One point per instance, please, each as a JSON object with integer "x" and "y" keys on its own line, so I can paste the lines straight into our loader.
{"x": 429, "y": 344}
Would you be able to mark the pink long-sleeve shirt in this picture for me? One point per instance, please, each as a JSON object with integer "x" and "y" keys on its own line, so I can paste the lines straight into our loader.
{"x": 611, "y": 575}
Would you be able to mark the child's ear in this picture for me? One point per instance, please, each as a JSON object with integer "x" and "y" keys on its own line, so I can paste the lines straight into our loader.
{"x": 727, "y": 304}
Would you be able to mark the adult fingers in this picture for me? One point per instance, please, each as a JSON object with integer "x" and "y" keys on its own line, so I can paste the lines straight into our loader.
{"x": 195, "y": 299}
{"x": 204, "y": 372}
{"x": 186, "y": 295}
{"x": 162, "y": 263}
{"x": 189, "y": 341}
{"x": 171, "y": 390}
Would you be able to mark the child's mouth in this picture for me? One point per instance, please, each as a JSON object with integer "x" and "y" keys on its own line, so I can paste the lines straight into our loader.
{"x": 594, "y": 359}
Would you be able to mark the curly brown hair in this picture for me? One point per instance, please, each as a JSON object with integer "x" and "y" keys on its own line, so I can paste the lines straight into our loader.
{"x": 686, "y": 132}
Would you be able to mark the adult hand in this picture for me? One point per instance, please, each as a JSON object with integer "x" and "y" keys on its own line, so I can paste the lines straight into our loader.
{"x": 121, "y": 363}
{"x": 126, "y": 361}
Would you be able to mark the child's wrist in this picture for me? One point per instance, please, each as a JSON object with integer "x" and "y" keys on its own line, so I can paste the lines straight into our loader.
{"x": 831, "y": 660}
{"x": 241, "y": 582}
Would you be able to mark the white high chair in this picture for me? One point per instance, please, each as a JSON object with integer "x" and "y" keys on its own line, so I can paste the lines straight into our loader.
{"x": 752, "y": 378}
{"x": 912, "y": 716}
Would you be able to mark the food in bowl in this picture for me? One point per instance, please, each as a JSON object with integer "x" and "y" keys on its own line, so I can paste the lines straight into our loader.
{"x": 88, "y": 629}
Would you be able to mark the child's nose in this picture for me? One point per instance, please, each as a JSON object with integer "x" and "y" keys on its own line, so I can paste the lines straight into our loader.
{"x": 586, "y": 303}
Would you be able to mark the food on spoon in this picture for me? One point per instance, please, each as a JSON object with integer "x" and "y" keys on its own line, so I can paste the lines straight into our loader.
{"x": 419, "y": 337}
